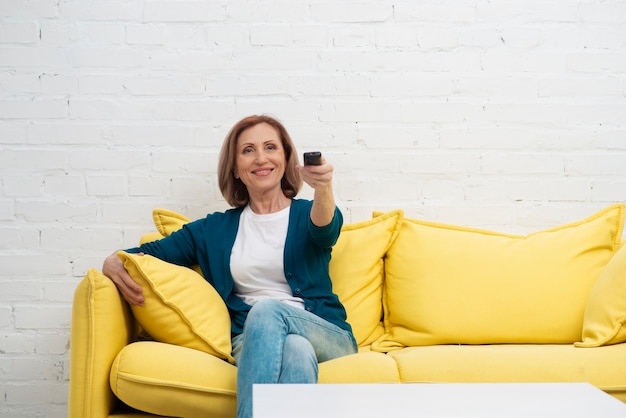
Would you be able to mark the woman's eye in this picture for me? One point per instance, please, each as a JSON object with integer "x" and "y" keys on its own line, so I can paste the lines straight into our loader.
{"x": 248, "y": 150}
{"x": 271, "y": 146}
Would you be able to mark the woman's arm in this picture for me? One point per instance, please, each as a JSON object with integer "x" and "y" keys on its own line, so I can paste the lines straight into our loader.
{"x": 320, "y": 178}
{"x": 177, "y": 248}
{"x": 114, "y": 269}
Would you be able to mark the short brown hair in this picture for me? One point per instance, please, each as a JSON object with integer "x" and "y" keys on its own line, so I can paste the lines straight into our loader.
{"x": 233, "y": 189}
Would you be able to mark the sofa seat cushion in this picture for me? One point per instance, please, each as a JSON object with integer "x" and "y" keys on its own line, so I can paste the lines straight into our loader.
{"x": 363, "y": 367}
{"x": 447, "y": 284}
{"x": 170, "y": 380}
{"x": 603, "y": 367}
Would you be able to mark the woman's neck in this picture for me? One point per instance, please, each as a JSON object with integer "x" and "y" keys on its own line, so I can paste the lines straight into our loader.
{"x": 262, "y": 205}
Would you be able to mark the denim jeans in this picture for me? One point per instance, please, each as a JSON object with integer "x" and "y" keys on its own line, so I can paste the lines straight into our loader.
{"x": 283, "y": 344}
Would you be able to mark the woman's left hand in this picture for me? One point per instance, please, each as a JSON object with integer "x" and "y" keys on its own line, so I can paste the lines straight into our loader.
{"x": 317, "y": 176}
{"x": 320, "y": 178}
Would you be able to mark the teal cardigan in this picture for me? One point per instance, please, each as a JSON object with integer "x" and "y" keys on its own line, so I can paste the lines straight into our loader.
{"x": 208, "y": 243}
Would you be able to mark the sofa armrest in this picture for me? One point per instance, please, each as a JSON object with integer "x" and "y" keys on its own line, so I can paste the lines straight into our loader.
{"x": 102, "y": 324}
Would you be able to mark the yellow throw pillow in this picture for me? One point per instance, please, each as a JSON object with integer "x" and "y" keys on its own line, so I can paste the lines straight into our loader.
{"x": 453, "y": 285}
{"x": 167, "y": 221}
{"x": 180, "y": 307}
{"x": 605, "y": 315}
{"x": 357, "y": 272}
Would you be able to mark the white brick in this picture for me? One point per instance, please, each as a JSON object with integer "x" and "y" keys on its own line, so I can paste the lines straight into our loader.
{"x": 38, "y": 58}
{"x": 122, "y": 10}
{"x": 280, "y": 11}
{"x": 23, "y": 186}
{"x": 270, "y": 35}
{"x": 569, "y": 190}
{"x": 13, "y": 132}
{"x": 437, "y": 37}
{"x": 56, "y": 211}
{"x": 449, "y": 11}
{"x": 102, "y": 185}
{"x": 608, "y": 190}
{"x": 407, "y": 137}
{"x": 596, "y": 62}
{"x": 601, "y": 164}
{"x": 352, "y": 37}
{"x": 396, "y": 36}
{"x": 22, "y": 265}
{"x": 37, "y": 159}
{"x": 7, "y": 210}
{"x": 580, "y": 87}
{"x": 524, "y": 163}
{"x": 47, "y": 108}
{"x": 48, "y": 392}
{"x": 183, "y": 11}
{"x": 109, "y": 160}
{"x": 310, "y": 35}
{"x": 154, "y": 185}
{"x": 411, "y": 86}
{"x": 476, "y": 87}
{"x": 193, "y": 161}
{"x": 18, "y": 343}
{"x": 162, "y": 134}
{"x": 26, "y": 368}
{"x": 64, "y": 185}
{"x": 55, "y": 316}
{"x": 351, "y": 12}
{"x": 19, "y": 236}
{"x": 65, "y": 132}
{"x": 164, "y": 85}
{"x": 6, "y": 316}
{"x": 75, "y": 238}
{"x": 188, "y": 186}
{"x": 107, "y": 57}
{"x": 24, "y": 32}
{"x": 22, "y": 290}
{"x": 29, "y": 9}
{"x": 165, "y": 34}
{"x": 52, "y": 343}
{"x": 59, "y": 291}
{"x": 58, "y": 84}
{"x": 57, "y": 33}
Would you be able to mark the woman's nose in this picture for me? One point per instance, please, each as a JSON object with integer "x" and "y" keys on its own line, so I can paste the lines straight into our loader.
{"x": 261, "y": 157}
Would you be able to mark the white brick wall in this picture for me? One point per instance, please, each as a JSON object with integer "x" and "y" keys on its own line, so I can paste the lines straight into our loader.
{"x": 504, "y": 114}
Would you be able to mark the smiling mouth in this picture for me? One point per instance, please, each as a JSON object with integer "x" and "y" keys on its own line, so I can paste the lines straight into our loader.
{"x": 262, "y": 171}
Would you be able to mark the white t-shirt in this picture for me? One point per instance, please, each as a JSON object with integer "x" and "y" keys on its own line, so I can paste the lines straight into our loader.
{"x": 256, "y": 261}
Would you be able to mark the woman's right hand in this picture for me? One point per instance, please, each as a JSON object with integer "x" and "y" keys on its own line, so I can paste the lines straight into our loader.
{"x": 114, "y": 269}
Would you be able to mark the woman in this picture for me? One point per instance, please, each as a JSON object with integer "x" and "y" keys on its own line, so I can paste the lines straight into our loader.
{"x": 267, "y": 257}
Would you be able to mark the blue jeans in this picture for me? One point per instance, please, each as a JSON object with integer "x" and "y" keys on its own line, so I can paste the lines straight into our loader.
{"x": 283, "y": 344}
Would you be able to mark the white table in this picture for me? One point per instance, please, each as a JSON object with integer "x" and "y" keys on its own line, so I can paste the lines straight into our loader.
{"x": 435, "y": 400}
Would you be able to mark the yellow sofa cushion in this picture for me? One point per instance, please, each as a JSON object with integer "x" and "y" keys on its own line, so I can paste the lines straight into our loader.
{"x": 169, "y": 380}
{"x": 180, "y": 306}
{"x": 603, "y": 367}
{"x": 448, "y": 284}
{"x": 357, "y": 272}
{"x": 605, "y": 314}
{"x": 167, "y": 221}
{"x": 356, "y": 267}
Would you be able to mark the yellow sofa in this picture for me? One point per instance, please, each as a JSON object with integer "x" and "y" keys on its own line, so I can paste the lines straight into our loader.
{"x": 428, "y": 302}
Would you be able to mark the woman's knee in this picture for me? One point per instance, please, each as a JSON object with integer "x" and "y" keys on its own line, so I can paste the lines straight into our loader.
{"x": 264, "y": 314}
{"x": 299, "y": 363}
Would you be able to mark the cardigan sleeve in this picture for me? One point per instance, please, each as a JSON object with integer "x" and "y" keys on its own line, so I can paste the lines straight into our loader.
{"x": 326, "y": 236}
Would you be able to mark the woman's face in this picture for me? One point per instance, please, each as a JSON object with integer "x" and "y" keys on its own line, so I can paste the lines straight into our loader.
{"x": 261, "y": 161}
